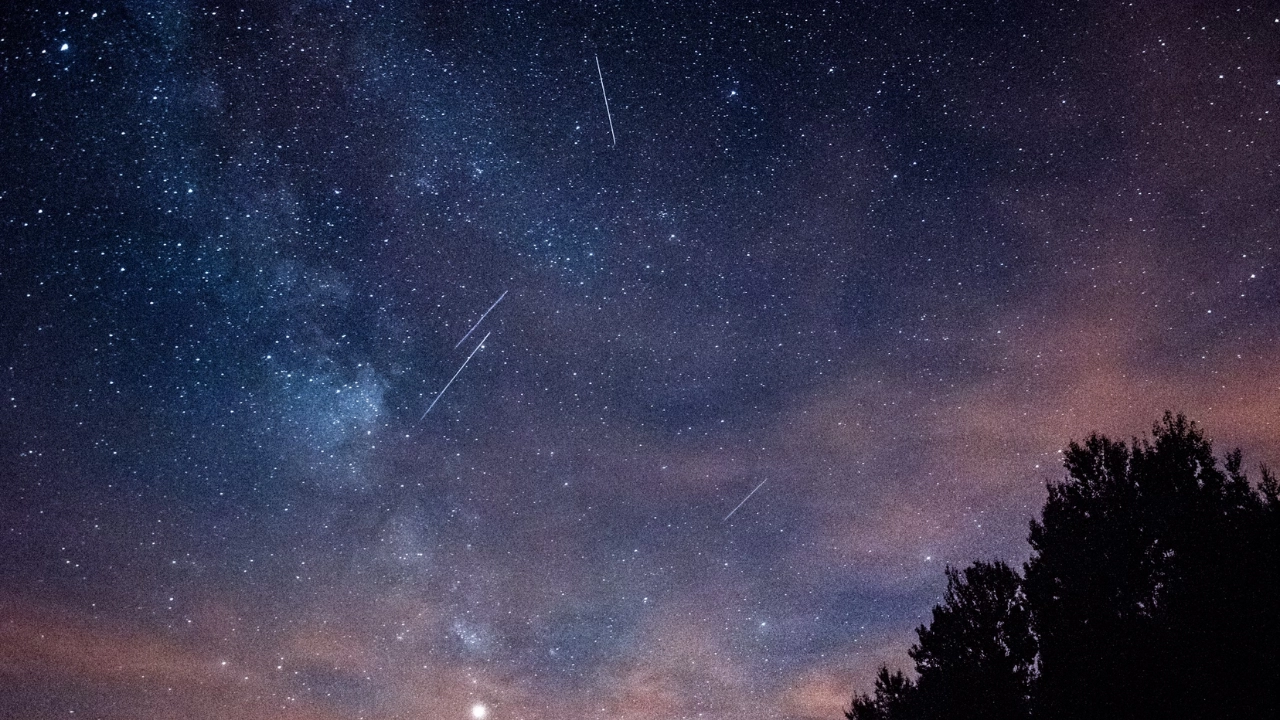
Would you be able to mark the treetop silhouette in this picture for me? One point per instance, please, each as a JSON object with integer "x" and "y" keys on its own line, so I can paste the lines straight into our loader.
{"x": 1152, "y": 590}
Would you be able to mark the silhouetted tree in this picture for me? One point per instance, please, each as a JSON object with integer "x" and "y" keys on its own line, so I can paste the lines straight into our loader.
{"x": 1153, "y": 591}
{"x": 980, "y": 637}
{"x": 893, "y": 700}
{"x": 1152, "y": 583}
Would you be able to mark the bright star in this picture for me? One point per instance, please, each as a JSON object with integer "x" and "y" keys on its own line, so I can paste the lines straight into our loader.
{"x": 479, "y": 711}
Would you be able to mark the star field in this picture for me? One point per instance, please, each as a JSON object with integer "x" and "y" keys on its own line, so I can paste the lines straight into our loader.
{"x": 884, "y": 258}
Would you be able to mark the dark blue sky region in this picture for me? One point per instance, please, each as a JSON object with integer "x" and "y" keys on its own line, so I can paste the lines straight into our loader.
{"x": 885, "y": 258}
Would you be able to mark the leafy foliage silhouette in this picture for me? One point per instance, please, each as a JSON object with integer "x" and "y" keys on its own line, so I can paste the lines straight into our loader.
{"x": 1153, "y": 590}
{"x": 894, "y": 696}
{"x": 980, "y": 637}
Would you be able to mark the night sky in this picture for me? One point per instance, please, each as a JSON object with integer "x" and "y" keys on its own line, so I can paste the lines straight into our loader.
{"x": 886, "y": 258}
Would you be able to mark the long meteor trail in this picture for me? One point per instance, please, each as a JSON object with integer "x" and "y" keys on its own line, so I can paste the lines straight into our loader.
{"x": 744, "y": 501}
{"x": 606, "y": 101}
{"x": 482, "y": 317}
{"x": 455, "y": 377}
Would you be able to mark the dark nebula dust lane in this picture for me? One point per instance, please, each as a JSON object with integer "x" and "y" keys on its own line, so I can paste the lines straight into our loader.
{"x": 752, "y": 317}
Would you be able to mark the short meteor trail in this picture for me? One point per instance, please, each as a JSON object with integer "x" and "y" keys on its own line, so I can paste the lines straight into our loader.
{"x": 744, "y": 501}
{"x": 606, "y": 101}
{"x": 455, "y": 377}
{"x": 482, "y": 317}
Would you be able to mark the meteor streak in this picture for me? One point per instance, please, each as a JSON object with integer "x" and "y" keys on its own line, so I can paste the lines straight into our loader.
{"x": 482, "y": 317}
{"x": 455, "y": 377}
{"x": 606, "y": 101}
{"x": 744, "y": 501}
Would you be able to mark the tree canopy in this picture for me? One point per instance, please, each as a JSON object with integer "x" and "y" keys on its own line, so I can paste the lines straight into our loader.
{"x": 1152, "y": 590}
